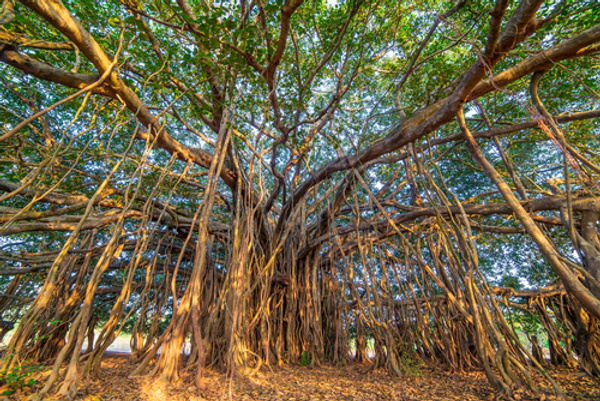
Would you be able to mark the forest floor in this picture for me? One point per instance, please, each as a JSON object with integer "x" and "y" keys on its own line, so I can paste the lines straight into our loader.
{"x": 352, "y": 382}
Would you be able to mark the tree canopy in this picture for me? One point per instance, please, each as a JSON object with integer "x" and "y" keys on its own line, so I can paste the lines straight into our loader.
{"x": 276, "y": 181}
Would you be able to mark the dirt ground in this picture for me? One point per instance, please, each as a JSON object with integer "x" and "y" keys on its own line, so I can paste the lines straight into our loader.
{"x": 298, "y": 383}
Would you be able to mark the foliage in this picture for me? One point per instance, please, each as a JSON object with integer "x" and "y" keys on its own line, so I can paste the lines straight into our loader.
{"x": 305, "y": 359}
{"x": 19, "y": 377}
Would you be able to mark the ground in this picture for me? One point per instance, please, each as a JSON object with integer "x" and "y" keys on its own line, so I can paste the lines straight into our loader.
{"x": 298, "y": 383}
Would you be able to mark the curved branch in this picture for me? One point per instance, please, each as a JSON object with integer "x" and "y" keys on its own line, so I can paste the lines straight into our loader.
{"x": 59, "y": 17}
{"x": 441, "y": 112}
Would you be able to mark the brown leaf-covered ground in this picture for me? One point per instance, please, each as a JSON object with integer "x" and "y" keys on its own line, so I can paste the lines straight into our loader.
{"x": 352, "y": 382}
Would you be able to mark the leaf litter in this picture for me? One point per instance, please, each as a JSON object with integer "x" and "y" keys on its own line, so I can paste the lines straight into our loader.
{"x": 350, "y": 382}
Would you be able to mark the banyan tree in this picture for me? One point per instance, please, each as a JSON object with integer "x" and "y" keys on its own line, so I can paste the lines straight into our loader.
{"x": 247, "y": 183}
